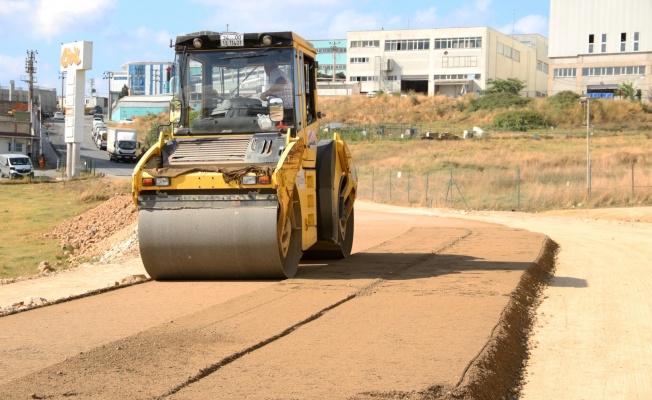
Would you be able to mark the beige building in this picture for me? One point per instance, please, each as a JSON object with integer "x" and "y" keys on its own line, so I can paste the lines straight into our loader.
{"x": 597, "y": 45}
{"x": 447, "y": 61}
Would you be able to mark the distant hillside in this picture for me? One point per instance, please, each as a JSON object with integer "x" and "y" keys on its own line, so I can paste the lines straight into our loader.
{"x": 420, "y": 109}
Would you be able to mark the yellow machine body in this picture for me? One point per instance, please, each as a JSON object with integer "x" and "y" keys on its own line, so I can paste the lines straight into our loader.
{"x": 238, "y": 186}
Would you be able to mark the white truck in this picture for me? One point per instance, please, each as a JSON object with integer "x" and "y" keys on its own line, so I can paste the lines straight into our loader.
{"x": 122, "y": 144}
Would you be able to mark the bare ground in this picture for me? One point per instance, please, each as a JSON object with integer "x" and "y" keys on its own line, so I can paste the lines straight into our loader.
{"x": 430, "y": 306}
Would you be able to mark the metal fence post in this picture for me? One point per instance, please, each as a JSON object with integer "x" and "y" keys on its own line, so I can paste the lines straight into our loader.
{"x": 390, "y": 185}
{"x": 632, "y": 180}
{"x": 518, "y": 186}
{"x": 408, "y": 189}
{"x": 372, "y": 184}
{"x": 426, "y": 187}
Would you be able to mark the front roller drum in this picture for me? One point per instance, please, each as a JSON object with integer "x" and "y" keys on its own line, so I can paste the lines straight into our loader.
{"x": 224, "y": 243}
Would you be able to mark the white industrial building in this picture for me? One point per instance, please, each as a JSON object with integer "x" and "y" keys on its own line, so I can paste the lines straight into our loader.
{"x": 597, "y": 45}
{"x": 446, "y": 61}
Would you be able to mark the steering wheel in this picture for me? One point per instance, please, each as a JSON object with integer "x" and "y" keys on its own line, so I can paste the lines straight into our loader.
{"x": 217, "y": 100}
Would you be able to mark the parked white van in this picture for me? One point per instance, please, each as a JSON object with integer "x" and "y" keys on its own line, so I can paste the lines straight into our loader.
{"x": 15, "y": 166}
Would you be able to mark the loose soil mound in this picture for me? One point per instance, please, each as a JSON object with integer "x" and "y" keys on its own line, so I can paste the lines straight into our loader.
{"x": 90, "y": 235}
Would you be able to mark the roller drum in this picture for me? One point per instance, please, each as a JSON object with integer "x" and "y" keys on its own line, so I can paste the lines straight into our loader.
{"x": 214, "y": 243}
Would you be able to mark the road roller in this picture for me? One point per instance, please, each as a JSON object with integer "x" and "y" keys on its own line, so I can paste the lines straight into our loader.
{"x": 238, "y": 184}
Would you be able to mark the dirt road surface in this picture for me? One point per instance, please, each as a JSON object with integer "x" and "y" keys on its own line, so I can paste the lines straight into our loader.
{"x": 421, "y": 306}
{"x": 593, "y": 333}
{"x": 430, "y": 304}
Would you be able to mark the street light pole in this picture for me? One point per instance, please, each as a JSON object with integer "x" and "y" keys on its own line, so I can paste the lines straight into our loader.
{"x": 108, "y": 75}
{"x": 588, "y": 143}
{"x": 62, "y": 76}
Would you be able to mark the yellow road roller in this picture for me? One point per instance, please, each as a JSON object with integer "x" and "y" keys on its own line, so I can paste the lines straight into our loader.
{"x": 238, "y": 186}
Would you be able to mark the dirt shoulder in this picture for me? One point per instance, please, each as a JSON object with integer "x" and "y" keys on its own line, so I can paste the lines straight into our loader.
{"x": 593, "y": 329}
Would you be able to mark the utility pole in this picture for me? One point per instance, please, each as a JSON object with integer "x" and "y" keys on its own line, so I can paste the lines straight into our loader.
{"x": 92, "y": 82}
{"x": 587, "y": 101}
{"x": 334, "y": 48}
{"x": 31, "y": 70}
{"x": 108, "y": 75}
{"x": 157, "y": 79}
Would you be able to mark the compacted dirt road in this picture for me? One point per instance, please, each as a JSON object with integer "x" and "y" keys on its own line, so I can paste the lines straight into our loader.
{"x": 593, "y": 333}
{"x": 431, "y": 305}
{"x": 420, "y": 309}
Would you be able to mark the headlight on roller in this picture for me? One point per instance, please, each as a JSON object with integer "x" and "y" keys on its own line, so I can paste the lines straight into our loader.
{"x": 249, "y": 180}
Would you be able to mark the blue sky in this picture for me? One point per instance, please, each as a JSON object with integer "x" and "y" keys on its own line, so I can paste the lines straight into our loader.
{"x": 140, "y": 30}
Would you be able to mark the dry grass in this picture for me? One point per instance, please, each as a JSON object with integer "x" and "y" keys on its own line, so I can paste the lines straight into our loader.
{"x": 98, "y": 190}
{"x": 507, "y": 173}
{"x": 416, "y": 109}
{"x": 504, "y": 170}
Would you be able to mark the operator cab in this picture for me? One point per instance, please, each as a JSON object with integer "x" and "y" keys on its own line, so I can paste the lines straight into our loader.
{"x": 235, "y": 89}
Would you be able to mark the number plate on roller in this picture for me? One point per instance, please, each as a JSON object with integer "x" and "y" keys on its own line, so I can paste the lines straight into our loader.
{"x": 232, "y": 39}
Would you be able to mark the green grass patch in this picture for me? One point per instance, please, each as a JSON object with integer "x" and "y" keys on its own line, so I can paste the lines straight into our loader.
{"x": 30, "y": 210}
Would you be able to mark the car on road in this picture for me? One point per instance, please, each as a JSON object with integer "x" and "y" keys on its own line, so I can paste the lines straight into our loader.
{"x": 100, "y": 138}
{"x": 373, "y": 93}
{"x": 58, "y": 115}
{"x": 96, "y": 110}
{"x": 126, "y": 121}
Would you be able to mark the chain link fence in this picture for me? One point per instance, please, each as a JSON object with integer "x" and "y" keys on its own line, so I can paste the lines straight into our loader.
{"x": 526, "y": 190}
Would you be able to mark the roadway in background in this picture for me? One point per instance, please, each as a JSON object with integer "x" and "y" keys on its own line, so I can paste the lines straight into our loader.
{"x": 89, "y": 151}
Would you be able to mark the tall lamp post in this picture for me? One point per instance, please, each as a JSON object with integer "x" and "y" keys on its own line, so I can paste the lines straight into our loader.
{"x": 586, "y": 100}
{"x": 62, "y": 76}
{"x": 108, "y": 75}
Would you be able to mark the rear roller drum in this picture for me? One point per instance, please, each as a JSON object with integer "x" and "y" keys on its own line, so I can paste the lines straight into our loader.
{"x": 335, "y": 251}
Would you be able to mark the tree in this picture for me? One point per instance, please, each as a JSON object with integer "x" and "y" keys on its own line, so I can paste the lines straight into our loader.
{"x": 124, "y": 92}
{"x": 510, "y": 85}
{"x": 626, "y": 90}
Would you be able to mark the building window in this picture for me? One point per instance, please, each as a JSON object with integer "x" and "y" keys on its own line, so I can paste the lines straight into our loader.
{"x": 508, "y": 52}
{"x": 636, "y": 41}
{"x": 542, "y": 66}
{"x": 516, "y": 55}
{"x": 623, "y": 41}
{"x": 464, "y": 61}
{"x": 411, "y": 44}
{"x": 391, "y": 78}
{"x": 329, "y": 50}
{"x": 329, "y": 67}
{"x": 459, "y": 43}
{"x": 565, "y": 72}
{"x": 363, "y": 78}
{"x": 359, "y": 60}
{"x": 591, "y": 39}
{"x": 605, "y": 71}
{"x": 456, "y": 77}
{"x": 603, "y": 47}
{"x": 365, "y": 43}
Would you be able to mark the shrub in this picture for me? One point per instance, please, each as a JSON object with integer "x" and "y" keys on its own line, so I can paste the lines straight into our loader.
{"x": 520, "y": 121}
{"x": 509, "y": 85}
{"x": 564, "y": 100}
{"x": 497, "y": 100}
{"x": 414, "y": 99}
